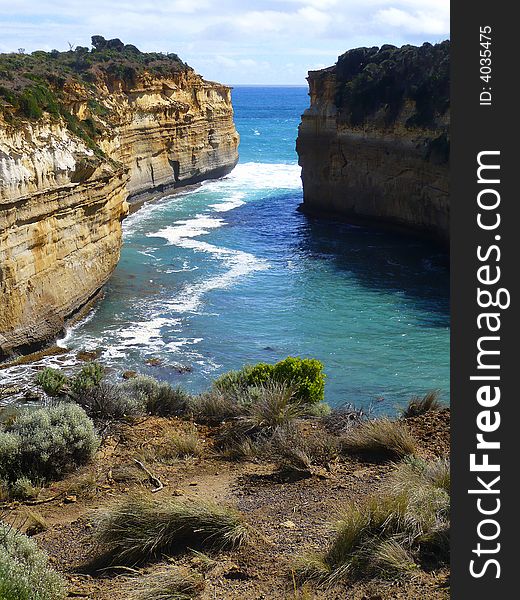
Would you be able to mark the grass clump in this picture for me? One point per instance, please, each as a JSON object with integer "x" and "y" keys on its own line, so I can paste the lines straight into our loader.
{"x": 140, "y": 529}
{"x": 390, "y": 535}
{"x": 46, "y": 443}
{"x": 174, "y": 584}
{"x": 25, "y": 573}
{"x": 379, "y": 439}
{"x": 23, "y": 489}
{"x": 215, "y": 407}
{"x": 420, "y": 406}
{"x": 184, "y": 444}
{"x": 159, "y": 397}
{"x": 107, "y": 401}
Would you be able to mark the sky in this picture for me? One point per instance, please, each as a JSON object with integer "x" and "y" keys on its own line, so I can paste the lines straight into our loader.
{"x": 231, "y": 41}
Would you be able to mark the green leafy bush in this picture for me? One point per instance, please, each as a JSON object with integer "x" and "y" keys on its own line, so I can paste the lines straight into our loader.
{"x": 89, "y": 376}
{"x": 52, "y": 381}
{"x": 48, "y": 442}
{"x": 25, "y": 573}
{"x": 304, "y": 374}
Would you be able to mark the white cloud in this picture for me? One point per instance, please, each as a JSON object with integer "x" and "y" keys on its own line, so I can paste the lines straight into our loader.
{"x": 230, "y": 40}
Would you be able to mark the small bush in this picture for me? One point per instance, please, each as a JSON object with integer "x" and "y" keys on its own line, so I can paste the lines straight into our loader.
{"x": 380, "y": 439}
{"x": 25, "y": 573}
{"x": 51, "y": 441}
{"x": 23, "y": 489}
{"x": 160, "y": 398}
{"x": 108, "y": 401}
{"x": 304, "y": 374}
{"x": 89, "y": 376}
{"x": 273, "y": 404}
{"x": 52, "y": 381}
{"x": 140, "y": 529}
{"x": 420, "y": 406}
{"x": 174, "y": 584}
{"x": 9, "y": 454}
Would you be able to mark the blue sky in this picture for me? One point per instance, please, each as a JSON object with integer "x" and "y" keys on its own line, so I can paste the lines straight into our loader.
{"x": 232, "y": 41}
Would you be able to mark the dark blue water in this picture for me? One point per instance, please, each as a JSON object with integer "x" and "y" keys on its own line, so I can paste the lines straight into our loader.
{"x": 231, "y": 273}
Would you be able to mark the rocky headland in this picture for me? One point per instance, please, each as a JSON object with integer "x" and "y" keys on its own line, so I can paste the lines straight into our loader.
{"x": 82, "y": 133}
{"x": 374, "y": 144}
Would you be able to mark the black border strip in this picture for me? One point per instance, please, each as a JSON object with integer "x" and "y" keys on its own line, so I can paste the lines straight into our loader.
{"x": 480, "y": 128}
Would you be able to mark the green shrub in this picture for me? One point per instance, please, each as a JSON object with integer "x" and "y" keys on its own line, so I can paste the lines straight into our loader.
{"x": 9, "y": 454}
{"x": 25, "y": 573}
{"x": 89, "y": 376}
{"x": 304, "y": 374}
{"x": 51, "y": 441}
{"x": 139, "y": 528}
{"x": 52, "y": 381}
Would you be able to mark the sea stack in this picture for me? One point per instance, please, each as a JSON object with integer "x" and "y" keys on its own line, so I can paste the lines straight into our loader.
{"x": 82, "y": 133}
{"x": 374, "y": 143}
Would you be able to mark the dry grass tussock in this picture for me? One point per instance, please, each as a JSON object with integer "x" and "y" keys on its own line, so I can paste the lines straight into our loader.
{"x": 379, "y": 439}
{"x": 390, "y": 535}
{"x": 140, "y": 528}
{"x": 174, "y": 583}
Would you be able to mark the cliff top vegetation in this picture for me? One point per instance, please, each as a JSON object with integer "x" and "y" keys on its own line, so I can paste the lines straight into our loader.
{"x": 370, "y": 80}
{"x": 31, "y": 84}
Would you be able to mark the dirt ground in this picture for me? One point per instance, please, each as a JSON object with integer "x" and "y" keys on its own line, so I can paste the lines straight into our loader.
{"x": 286, "y": 517}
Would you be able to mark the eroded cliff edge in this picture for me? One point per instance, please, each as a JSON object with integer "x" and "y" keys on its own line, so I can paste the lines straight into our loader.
{"x": 80, "y": 133}
{"x": 374, "y": 144}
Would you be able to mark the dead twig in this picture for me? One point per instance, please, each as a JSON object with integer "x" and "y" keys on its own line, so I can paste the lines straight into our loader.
{"x": 153, "y": 479}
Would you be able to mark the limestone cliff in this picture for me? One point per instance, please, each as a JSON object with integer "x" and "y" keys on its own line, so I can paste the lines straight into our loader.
{"x": 374, "y": 144}
{"x": 78, "y": 138}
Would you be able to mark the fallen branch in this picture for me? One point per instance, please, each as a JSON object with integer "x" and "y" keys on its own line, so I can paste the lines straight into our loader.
{"x": 153, "y": 479}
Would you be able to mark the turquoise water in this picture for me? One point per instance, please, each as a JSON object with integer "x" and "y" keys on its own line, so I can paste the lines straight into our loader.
{"x": 230, "y": 273}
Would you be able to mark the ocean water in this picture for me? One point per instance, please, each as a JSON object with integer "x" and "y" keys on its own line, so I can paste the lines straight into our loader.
{"x": 231, "y": 273}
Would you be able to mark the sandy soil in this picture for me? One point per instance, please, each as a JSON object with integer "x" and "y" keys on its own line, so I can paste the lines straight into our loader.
{"x": 286, "y": 517}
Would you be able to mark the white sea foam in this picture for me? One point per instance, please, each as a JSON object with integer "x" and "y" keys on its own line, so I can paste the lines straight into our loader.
{"x": 146, "y": 333}
{"x": 189, "y": 228}
{"x": 258, "y": 176}
{"x": 236, "y": 200}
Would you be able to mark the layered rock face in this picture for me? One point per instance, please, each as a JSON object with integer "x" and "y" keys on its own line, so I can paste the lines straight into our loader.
{"x": 66, "y": 177}
{"x": 374, "y": 144}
